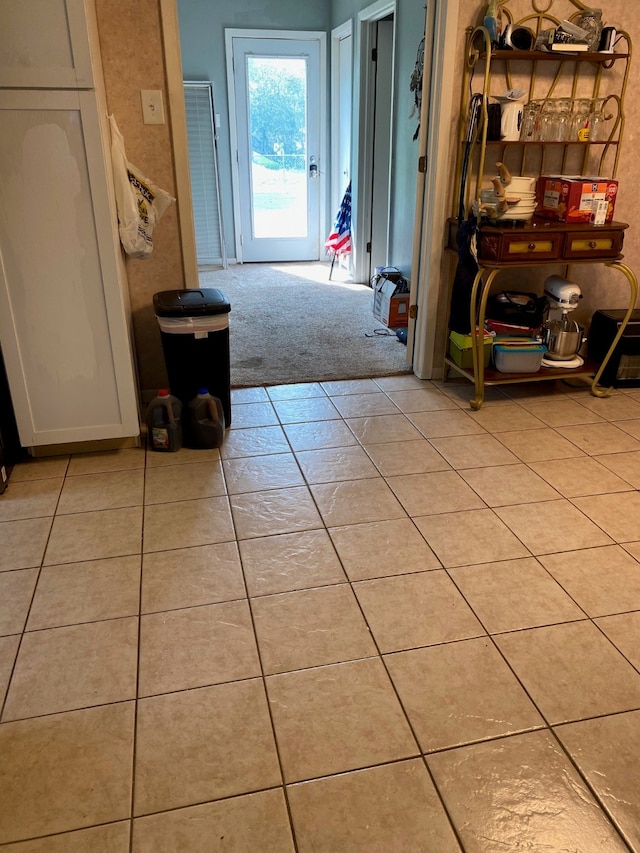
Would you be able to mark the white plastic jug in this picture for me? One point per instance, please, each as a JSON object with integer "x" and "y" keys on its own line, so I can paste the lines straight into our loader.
{"x": 510, "y": 120}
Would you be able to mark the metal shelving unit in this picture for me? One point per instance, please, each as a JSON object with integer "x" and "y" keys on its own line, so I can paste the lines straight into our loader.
{"x": 543, "y": 76}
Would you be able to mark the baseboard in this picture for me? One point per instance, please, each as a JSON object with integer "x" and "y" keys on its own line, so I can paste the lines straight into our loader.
{"x": 86, "y": 446}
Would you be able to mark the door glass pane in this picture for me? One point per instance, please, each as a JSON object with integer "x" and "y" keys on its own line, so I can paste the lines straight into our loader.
{"x": 277, "y": 95}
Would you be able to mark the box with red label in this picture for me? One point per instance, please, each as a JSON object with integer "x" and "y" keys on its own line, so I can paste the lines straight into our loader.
{"x": 576, "y": 198}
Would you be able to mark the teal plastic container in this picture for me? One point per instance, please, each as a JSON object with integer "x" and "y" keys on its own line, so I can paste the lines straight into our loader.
{"x": 205, "y": 423}
{"x": 164, "y": 422}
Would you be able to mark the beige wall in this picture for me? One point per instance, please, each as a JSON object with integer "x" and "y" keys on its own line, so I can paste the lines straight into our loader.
{"x": 602, "y": 289}
{"x": 133, "y": 59}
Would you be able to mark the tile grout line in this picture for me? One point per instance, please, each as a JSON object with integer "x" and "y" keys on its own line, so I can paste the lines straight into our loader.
{"x": 262, "y": 672}
{"x": 3, "y": 704}
{"x": 379, "y": 656}
{"x": 548, "y": 727}
{"x": 421, "y": 756}
{"x": 136, "y": 705}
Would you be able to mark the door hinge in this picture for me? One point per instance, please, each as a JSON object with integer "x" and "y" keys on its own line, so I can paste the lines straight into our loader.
{"x": 374, "y": 54}
{"x": 413, "y": 311}
{"x": 368, "y": 249}
{"x": 422, "y": 163}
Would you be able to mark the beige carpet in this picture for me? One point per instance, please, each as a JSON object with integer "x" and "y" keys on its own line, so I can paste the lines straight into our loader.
{"x": 289, "y": 323}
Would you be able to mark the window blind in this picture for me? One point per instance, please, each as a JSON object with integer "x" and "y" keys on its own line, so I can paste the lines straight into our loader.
{"x": 203, "y": 164}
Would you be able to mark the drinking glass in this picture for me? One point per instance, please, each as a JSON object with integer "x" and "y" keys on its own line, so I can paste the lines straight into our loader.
{"x": 549, "y": 121}
{"x": 597, "y": 123}
{"x": 530, "y": 130}
{"x": 580, "y": 120}
{"x": 563, "y": 120}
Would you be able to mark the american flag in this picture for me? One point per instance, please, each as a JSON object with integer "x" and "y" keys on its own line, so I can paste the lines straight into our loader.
{"x": 339, "y": 241}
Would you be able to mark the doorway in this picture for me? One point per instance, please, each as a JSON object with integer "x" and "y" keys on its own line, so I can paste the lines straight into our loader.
{"x": 276, "y": 105}
{"x": 374, "y": 109}
{"x": 204, "y": 45}
{"x": 380, "y": 148}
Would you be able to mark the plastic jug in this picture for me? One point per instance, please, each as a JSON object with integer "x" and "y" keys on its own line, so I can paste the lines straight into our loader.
{"x": 205, "y": 420}
{"x": 164, "y": 421}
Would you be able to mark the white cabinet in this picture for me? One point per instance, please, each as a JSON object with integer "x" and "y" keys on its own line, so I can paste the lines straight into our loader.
{"x": 45, "y": 44}
{"x": 64, "y": 318}
{"x": 63, "y": 321}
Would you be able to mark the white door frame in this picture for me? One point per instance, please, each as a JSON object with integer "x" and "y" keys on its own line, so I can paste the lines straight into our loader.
{"x": 178, "y": 130}
{"x": 434, "y": 187}
{"x": 297, "y": 35}
{"x": 339, "y": 72}
{"x": 363, "y": 108}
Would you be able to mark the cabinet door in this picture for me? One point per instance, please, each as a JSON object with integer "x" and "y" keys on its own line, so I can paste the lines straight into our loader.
{"x": 63, "y": 323}
{"x": 44, "y": 44}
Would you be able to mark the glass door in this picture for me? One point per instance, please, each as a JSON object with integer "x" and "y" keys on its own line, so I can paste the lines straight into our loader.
{"x": 277, "y": 104}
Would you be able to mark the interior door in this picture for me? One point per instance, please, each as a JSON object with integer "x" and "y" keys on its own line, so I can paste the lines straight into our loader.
{"x": 381, "y": 146}
{"x": 277, "y": 111}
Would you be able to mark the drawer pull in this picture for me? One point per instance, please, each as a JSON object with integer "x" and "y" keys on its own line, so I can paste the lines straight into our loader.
{"x": 532, "y": 247}
{"x": 592, "y": 244}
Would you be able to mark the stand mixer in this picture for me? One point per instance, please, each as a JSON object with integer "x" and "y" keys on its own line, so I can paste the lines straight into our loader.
{"x": 562, "y": 336}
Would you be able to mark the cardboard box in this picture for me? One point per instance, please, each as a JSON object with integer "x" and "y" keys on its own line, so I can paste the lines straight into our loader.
{"x": 460, "y": 349}
{"x": 576, "y": 198}
{"x": 389, "y": 306}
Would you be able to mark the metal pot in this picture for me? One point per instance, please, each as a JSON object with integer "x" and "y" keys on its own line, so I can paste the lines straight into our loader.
{"x": 562, "y": 338}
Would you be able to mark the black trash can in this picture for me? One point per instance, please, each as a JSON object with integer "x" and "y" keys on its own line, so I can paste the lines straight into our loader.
{"x": 194, "y": 327}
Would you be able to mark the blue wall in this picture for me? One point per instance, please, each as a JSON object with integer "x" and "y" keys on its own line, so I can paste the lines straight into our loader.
{"x": 202, "y": 25}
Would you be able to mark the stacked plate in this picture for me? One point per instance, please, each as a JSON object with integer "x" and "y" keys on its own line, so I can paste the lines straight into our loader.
{"x": 520, "y": 205}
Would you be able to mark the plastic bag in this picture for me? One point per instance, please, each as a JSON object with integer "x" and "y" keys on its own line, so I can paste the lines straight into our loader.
{"x": 139, "y": 201}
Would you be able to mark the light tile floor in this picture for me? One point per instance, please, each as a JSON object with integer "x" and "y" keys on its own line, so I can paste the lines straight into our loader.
{"x": 374, "y": 622}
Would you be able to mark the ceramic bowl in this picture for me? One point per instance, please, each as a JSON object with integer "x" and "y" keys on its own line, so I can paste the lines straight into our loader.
{"x": 519, "y": 184}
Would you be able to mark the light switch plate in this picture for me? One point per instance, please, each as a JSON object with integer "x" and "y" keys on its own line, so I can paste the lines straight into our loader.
{"x": 152, "y": 106}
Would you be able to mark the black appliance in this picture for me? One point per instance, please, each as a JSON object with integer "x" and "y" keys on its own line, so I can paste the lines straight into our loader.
{"x": 10, "y": 448}
{"x": 623, "y": 369}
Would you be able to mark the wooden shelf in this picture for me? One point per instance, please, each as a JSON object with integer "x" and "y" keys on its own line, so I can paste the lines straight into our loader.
{"x": 544, "y": 142}
{"x": 495, "y": 377}
{"x": 555, "y": 56}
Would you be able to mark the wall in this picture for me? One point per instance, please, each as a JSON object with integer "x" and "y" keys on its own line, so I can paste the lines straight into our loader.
{"x": 133, "y": 59}
{"x": 202, "y": 26}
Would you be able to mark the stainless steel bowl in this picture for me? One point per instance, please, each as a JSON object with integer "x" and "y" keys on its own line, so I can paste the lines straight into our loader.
{"x": 563, "y": 340}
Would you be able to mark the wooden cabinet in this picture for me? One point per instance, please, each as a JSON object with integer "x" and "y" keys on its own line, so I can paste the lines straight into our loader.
{"x": 501, "y": 245}
{"x": 584, "y": 245}
{"x": 595, "y": 78}
{"x": 44, "y": 44}
{"x": 540, "y": 240}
